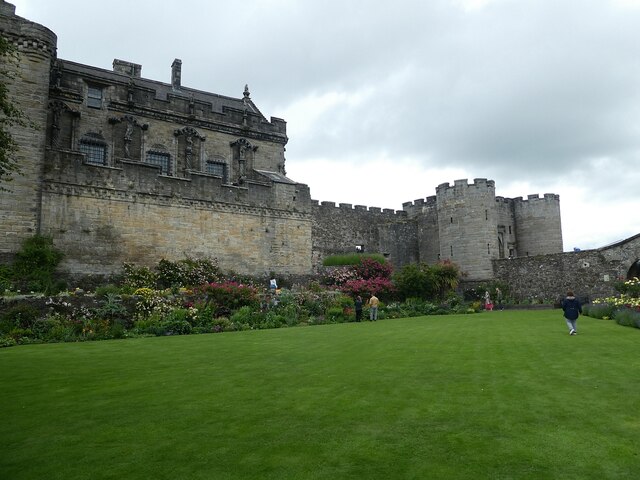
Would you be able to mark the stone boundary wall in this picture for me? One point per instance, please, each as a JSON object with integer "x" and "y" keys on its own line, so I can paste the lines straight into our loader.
{"x": 589, "y": 273}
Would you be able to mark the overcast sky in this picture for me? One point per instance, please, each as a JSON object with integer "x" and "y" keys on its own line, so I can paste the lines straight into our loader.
{"x": 385, "y": 100}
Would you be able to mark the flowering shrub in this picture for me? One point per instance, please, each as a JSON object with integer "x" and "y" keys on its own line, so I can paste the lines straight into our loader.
{"x": 365, "y": 288}
{"x": 369, "y": 269}
{"x": 151, "y": 302}
{"x": 630, "y": 288}
{"x": 138, "y": 277}
{"x": 621, "y": 301}
{"x": 228, "y": 297}
{"x": 338, "y": 276}
{"x": 187, "y": 273}
{"x": 624, "y": 309}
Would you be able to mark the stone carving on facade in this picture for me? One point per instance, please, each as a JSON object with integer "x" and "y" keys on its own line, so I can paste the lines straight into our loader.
{"x": 189, "y": 133}
{"x": 130, "y": 91}
{"x": 130, "y": 123}
{"x": 57, "y": 110}
{"x": 241, "y": 148}
{"x": 56, "y": 76}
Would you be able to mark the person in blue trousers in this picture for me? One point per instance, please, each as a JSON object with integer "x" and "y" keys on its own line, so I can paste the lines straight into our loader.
{"x": 572, "y": 310}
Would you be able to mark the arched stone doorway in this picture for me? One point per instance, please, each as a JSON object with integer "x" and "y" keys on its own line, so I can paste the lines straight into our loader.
{"x": 634, "y": 270}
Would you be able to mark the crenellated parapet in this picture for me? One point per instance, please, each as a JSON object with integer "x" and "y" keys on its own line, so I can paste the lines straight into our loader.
{"x": 327, "y": 207}
{"x": 26, "y": 36}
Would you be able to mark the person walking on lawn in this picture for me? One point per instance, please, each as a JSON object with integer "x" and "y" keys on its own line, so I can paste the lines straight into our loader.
{"x": 572, "y": 310}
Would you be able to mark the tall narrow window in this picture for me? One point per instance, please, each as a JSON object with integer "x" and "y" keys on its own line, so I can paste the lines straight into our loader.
{"x": 509, "y": 229}
{"x": 94, "y": 97}
{"x": 488, "y": 249}
{"x": 486, "y": 214}
{"x": 452, "y": 250}
{"x": 96, "y": 153}
{"x": 162, "y": 159}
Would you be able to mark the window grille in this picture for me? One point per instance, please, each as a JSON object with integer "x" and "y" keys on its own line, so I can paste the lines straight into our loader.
{"x": 162, "y": 159}
{"x": 217, "y": 168}
{"x": 96, "y": 153}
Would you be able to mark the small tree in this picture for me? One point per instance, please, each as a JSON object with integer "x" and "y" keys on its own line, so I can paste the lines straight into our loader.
{"x": 34, "y": 266}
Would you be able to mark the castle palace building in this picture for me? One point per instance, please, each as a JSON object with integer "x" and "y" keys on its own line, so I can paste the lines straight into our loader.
{"x": 121, "y": 168}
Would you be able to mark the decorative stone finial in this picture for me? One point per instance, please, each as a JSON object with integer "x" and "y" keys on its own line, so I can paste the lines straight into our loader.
{"x": 246, "y": 91}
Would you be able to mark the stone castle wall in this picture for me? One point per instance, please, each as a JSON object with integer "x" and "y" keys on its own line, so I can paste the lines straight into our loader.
{"x": 467, "y": 225}
{"x": 28, "y": 89}
{"x": 340, "y": 229}
{"x": 589, "y": 273}
{"x": 103, "y": 216}
{"x": 538, "y": 224}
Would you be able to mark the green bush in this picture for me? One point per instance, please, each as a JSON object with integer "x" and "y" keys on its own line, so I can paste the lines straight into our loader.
{"x": 109, "y": 289}
{"x": 627, "y": 317}
{"x": 176, "y": 326}
{"x": 352, "y": 259}
{"x": 245, "y": 317}
{"x": 34, "y": 266}
{"x": 21, "y": 315}
{"x": 629, "y": 288}
{"x": 598, "y": 310}
{"x": 187, "y": 273}
{"x": 336, "y": 315}
{"x": 6, "y": 284}
{"x": 113, "y": 309}
{"x": 135, "y": 277}
{"x": 6, "y": 341}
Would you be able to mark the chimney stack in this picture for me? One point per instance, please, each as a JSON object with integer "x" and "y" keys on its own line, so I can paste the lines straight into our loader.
{"x": 176, "y": 72}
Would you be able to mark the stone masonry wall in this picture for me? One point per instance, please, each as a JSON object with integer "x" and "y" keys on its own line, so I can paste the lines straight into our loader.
{"x": 589, "y": 273}
{"x": 338, "y": 230}
{"x": 103, "y": 216}
{"x": 28, "y": 90}
{"x": 538, "y": 224}
{"x": 467, "y": 222}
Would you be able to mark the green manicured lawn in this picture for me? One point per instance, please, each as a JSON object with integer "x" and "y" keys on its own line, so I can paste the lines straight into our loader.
{"x": 498, "y": 395}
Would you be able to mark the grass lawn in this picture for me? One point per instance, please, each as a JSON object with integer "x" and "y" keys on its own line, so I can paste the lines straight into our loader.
{"x": 497, "y": 395}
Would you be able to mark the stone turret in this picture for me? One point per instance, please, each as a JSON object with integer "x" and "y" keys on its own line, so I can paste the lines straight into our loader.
{"x": 28, "y": 87}
{"x": 467, "y": 225}
{"x": 538, "y": 224}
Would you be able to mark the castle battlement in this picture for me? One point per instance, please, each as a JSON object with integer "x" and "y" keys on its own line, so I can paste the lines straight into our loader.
{"x": 536, "y": 198}
{"x": 25, "y": 35}
{"x": 327, "y": 206}
{"x": 459, "y": 185}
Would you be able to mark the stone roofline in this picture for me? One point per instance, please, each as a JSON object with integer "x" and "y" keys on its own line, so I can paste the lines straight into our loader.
{"x": 119, "y": 76}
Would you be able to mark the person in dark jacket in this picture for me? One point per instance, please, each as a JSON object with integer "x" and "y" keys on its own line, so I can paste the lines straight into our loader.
{"x": 358, "y": 304}
{"x": 572, "y": 309}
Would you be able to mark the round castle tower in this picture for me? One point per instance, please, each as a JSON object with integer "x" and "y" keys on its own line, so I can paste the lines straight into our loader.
{"x": 467, "y": 225}
{"x": 28, "y": 88}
